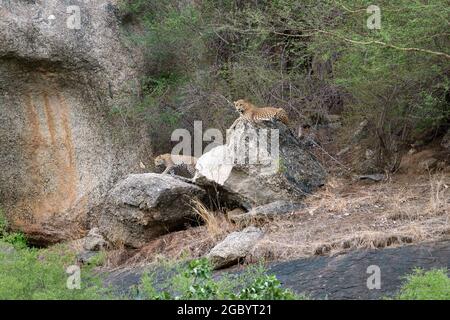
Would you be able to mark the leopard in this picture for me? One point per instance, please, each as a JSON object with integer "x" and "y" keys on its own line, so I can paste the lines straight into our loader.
{"x": 253, "y": 114}
{"x": 174, "y": 163}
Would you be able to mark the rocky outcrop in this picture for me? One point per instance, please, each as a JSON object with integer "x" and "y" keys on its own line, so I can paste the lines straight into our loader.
{"x": 346, "y": 276}
{"x": 59, "y": 80}
{"x": 261, "y": 164}
{"x": 144, "y": 206}
{"x": 234, "y": 247}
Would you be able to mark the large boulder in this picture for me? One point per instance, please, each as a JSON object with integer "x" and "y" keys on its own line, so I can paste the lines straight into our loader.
{"x": 236, "y": 246}
{"x": 260, "y": 164}
{"x": 61, "y": 148}
{"x": 144, "y": 206}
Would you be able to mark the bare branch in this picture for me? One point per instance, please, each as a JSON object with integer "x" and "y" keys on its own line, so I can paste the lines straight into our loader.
{"x": 387, "y": 45}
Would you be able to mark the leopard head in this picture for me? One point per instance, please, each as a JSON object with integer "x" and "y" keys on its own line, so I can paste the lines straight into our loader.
{"x": 160, "y": 161}
{"x": 241, "y": 105}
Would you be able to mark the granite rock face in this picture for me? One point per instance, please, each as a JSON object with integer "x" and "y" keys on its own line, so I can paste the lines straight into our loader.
{"x": 261, "y": 164}
{"x": 144, "y": 206}
{"x": 63, "y": 67}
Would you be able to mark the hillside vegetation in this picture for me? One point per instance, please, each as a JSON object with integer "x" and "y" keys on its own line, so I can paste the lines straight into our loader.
{"x": 312, "y": 58}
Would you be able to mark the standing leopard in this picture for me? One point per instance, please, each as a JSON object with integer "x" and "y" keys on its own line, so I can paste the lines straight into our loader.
{"x": 175, "y": 163}
{"x": 253, "y": 114}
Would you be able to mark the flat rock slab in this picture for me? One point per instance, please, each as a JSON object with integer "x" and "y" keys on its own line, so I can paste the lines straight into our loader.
{"x": 338, "y": 277}
{"x": 345, "y": 276}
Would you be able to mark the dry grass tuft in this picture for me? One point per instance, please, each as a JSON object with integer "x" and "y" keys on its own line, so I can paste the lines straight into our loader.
{"x": 439, "y": 195}
{"x": 193, "y": 242}
{"x": 216, "y": 223}
{"x": 364, "y": 240}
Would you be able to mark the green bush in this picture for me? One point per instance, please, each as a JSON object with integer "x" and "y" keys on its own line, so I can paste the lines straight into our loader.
{"x": 309, "y": 57}
{"x": 41, "y": 274}
{"x": 195, "y": 281}
{"x": 32, "y": 273}
{"x": 426, "y": 285}
{"x": 395, "y": 77}
{"x": 17, "y": 239}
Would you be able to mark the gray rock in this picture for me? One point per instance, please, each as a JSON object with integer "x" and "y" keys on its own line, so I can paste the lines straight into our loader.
{"x": 345, "y": 276}
{"x": 94, "y": 241}
{"x": 235, "y": 246}
{"x": 291, "y": 176}
{"x": 60, "y": 147}
{"x": 265, "y": 212}
{"x": 144, "y": 206}
{"x": 360, "y": 131}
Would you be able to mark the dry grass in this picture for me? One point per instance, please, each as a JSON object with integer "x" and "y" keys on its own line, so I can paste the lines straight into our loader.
{"x": 191, "y": 243}
{"x": 349, "y": 215}
{"x": 216, "y": 223}
{"x": 439, "y": 195}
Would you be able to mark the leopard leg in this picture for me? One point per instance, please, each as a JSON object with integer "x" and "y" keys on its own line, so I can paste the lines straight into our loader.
{"x": 168, "y": 170}
{"x": 235, "y": 123}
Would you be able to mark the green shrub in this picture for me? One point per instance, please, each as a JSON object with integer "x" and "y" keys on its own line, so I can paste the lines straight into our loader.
{"x": 195, "y": 281}
{"x": 426, "y": 285}
{"x": 41, "y": 274}
{"x": 17, "y": 239}
{"x": 402, "y": 92}
{"x": 309, "y": 57}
